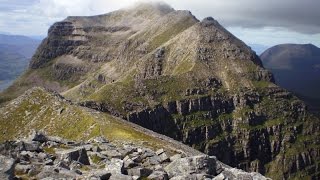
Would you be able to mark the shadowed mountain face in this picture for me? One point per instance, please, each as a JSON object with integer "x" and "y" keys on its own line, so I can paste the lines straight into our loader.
{"x": 296, "y": 68}
{"x": 15, "y": 54}
{"x": 191, "y": 80}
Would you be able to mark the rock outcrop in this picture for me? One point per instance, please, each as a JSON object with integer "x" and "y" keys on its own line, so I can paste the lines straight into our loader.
{"x": 95, "y": 159}
{"x": 241, "y": 127}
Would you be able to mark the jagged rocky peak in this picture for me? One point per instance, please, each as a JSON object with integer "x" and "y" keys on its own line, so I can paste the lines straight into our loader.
{"x": 208, "y": 21}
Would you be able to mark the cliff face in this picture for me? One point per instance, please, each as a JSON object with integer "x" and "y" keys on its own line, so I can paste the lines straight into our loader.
{"x": 192, "y": 80}
{"x": 267, "y": 132}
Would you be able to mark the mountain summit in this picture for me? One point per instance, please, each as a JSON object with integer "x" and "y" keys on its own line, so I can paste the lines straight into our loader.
{"x": 188, "y": 79}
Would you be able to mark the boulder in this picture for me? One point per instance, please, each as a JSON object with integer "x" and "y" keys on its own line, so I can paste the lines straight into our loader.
{"x": 160, "y": 151}
{"x": 50, "y": 172}
{"x": 62, "y": 165}
{"x": 38, "y": 136}
{"x": 76, "y": 154}
{"x": 219, "y": 177}
{"x": 99, "y": 139}
{"x": 33, "y": 171}
{"x": 115, "y": 166}
{"x": 201, "y": 164}
{"x": 158, "y": 175}
{"x": 151, "y": 161}
{"x": 22, "y": 169}
{"x": 42, "y": 156}
{"x": 31, "y": 146}
{"x": 49, "y": 162}
{"x": 6, "y": 167}
{"x": 128, "y": 163}
{"x": 164, "y": 157}
{"x": 175, "y": 157}
{"x": 233, "y": 173}
{"x": 99, "y": 174}
{"x": 26, "y": 155}
{"x": 139, "y": 171}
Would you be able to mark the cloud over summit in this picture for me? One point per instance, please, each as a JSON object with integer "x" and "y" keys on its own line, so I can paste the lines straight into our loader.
{"x": 33, "y": 17}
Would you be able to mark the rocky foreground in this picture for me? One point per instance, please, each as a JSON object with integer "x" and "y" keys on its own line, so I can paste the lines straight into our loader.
{"x": 48, "y": 157}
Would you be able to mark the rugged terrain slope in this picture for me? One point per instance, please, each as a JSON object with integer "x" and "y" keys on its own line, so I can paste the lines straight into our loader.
{"x": 191, "y": 80}
{"x": 130, "y": 152}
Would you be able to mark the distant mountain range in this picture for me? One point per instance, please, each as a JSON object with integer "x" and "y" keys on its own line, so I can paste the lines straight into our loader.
{"x": 296, "y": 67}
{"x": 15, "y": 54}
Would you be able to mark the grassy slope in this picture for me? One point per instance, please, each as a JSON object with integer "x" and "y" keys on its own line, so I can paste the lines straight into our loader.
{"x": 40, "y": 110}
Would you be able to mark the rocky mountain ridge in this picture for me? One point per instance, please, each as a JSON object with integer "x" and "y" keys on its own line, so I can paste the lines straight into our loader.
{"x": 191, "y": 80}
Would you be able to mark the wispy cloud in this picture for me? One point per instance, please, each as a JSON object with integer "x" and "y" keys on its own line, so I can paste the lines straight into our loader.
{"x": 248, "y": 19}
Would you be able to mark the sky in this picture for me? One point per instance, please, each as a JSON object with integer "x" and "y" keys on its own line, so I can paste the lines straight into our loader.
{"x": 261, "y": 22}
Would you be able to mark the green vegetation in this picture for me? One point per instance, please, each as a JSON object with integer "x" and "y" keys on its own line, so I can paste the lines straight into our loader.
{"x": 243, "y": 112}
{"x": 184, "y": 66}
{"x": 160, "y": 90}
{"x": 95, "y": 159}
{"x": 171, "y": 32}
{"x": 49, "y": 150}
{"x": 118, "y": 93}
{"x": 261, "y": 84}
{"x": 40, "y": 110}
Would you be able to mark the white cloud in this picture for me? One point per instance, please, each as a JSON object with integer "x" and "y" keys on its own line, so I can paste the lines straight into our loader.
{"x": 271, "y": 36}
{"x": 247, "y": 19}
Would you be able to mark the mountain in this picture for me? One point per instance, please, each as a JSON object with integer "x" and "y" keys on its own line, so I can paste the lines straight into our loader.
{"x": 15, "y": 54}
{"x": 297, "y": 68}
{"x": 192, "y": 80}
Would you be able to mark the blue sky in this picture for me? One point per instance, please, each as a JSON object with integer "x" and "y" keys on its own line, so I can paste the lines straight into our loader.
{"x": 253, "y": 21}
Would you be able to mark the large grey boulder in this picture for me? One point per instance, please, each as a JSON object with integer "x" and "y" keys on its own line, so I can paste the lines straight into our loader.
{"x": 38, "y": 136}
{"x": 115, "y": 166}
{"x": 99, "y": 174}
{"x": 6, "y": 167}
{"x": 99, "y": 139}
{"x": 201, "y": 164}
{"x": 31, "y": 146}
{"x": 158, "y": 175}
{"x": 128, "y": 163}
{"x": 22, "y": 169}
{"x": 139, "y": 171}
{"x": 233, "y": 174}
{"x": 50, "y": 172}
{"x": 76, "y": 154}
{"x": 175, "y": 157}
